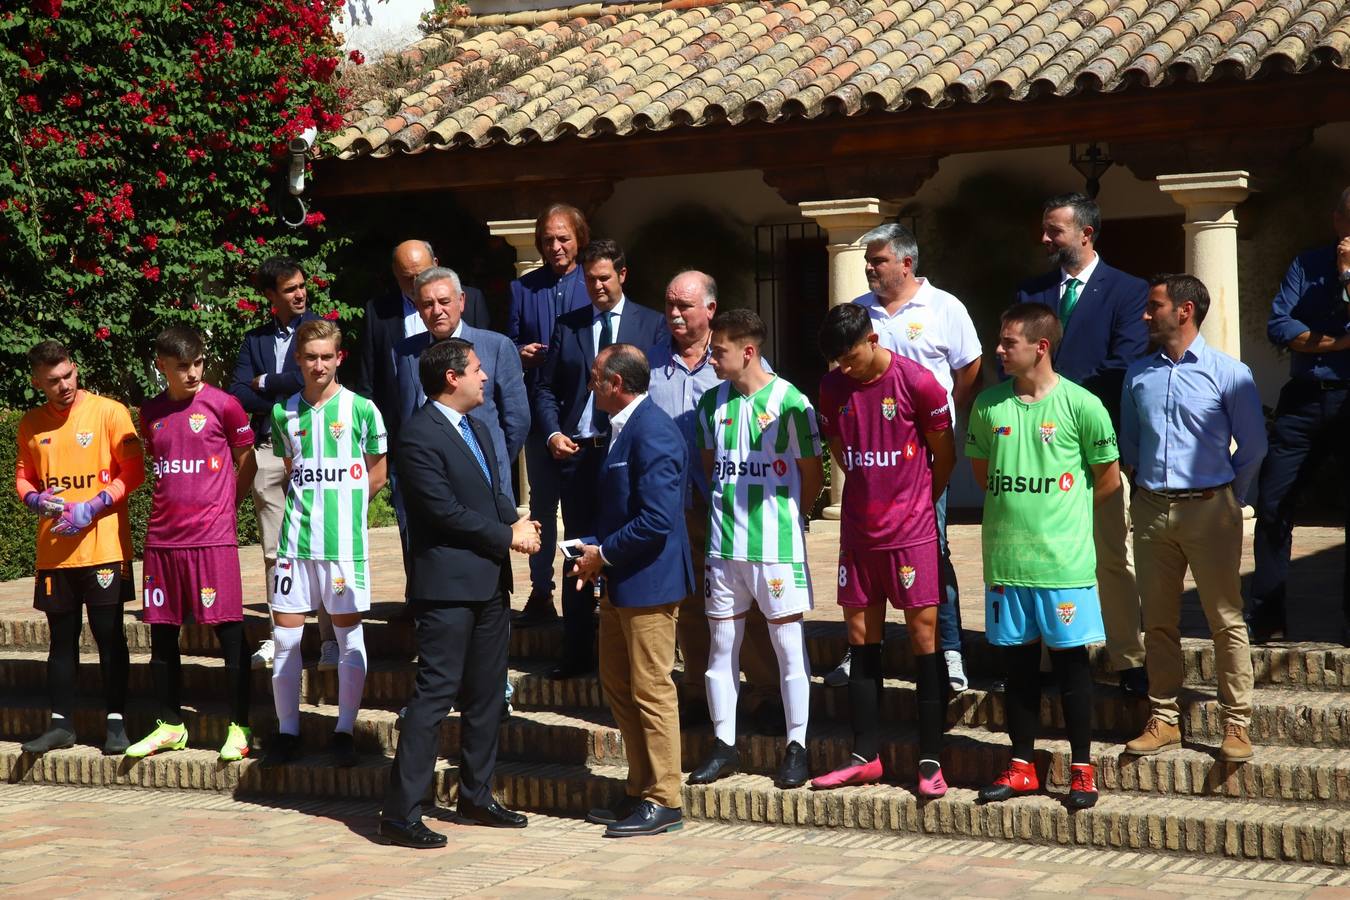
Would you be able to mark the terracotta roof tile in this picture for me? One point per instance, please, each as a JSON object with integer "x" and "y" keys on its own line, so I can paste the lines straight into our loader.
{"x": 617, "y": 69}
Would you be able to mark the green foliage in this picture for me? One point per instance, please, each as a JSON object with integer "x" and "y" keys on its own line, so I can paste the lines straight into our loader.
{"x": 144, "y": 143}
{"x": 18, "y": 526}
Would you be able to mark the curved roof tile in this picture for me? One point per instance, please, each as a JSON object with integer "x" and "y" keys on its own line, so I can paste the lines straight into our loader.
{"x": 652, "y": 66}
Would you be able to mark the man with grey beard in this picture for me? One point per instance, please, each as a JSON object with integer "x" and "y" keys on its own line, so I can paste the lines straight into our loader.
{"x": 1102, "y": 312}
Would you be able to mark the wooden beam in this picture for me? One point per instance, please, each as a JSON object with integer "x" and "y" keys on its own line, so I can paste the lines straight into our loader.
{"x": 1135, "y": 115}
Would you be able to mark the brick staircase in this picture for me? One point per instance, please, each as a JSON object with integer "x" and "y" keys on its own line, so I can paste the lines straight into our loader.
{"x": 560, "y": 752}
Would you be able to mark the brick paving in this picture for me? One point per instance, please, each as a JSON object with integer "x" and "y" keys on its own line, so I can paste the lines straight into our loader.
{"x": 58, "y": 842}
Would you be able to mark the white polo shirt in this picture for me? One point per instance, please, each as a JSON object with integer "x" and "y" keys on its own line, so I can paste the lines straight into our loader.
{"x": 932, "y": 328}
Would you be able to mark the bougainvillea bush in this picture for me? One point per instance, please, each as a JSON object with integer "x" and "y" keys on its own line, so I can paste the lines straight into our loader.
{"x": 141, "y": 178}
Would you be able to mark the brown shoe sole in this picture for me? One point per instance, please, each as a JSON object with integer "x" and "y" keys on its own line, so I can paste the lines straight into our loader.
{"x": 1229, "y": 756}
{"x": 1175, "y": 745}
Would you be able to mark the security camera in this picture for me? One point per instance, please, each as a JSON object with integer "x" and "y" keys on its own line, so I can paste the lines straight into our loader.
{"x": 299, "y": 148}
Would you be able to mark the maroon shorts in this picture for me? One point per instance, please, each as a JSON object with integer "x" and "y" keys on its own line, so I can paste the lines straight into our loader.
{"x": 192, "y": 584}
{"x": 908, "y": 578}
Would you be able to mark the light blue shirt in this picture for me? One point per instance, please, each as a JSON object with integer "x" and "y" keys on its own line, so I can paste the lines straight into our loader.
{"x": 1178, "y": 421}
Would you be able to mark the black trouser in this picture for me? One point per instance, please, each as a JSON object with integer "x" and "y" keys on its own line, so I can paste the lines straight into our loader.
{"x": 63, "y": 657}
{"x": 1310, "y": 422}
{"x": 461, "y": 662}
{"x": 580, "y": 476}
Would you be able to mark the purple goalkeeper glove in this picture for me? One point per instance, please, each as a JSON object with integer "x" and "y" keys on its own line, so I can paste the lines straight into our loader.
{"x": 46, "y": 504}
{"x": 77, "y": 516}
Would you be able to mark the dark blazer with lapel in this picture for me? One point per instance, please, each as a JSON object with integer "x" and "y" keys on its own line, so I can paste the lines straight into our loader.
{"x": 530, "y": 318}
{"x": 504, "y": 407}
{"x": 561, "y": 393}
{"x": 1106, "y": 331}
{"x": 459, "y": 524}
{"x": 373, "y": 374}
{"x": 641, "y": 523}
{"x": 258, "y": 356}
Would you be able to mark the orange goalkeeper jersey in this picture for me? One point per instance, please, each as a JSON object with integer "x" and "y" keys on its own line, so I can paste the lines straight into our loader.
{"x": 90, "y": 448}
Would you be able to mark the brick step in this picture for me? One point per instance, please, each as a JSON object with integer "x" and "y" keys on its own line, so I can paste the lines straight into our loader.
{"x": 1306, "y": 666}
{"x": 1215, "y": 827}
{"x": 1279, "y": 717}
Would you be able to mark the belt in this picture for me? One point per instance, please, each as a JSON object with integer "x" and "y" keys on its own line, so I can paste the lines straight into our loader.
{"x": 1191, "y": 493}
{"x": 600, "y": 440}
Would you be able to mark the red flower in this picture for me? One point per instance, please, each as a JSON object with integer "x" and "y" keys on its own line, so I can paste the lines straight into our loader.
{"x": 50, "y": 8}
{"x": 71, "y": 101}
{"x": 357, "y": 57}
{"x": 150, "y": 272}
{"x": 29, "y": 103}
{"x": 195, "y": 155}
{"x": 103, "y": 332}
{"x": 314, "y": 219}
{"x": 162, "y": 178}
{"x": 319, "y": 281}
{"x": 331, "y": 315}
{"x": 151, "y": 241}
{"x": 246, "y": 306}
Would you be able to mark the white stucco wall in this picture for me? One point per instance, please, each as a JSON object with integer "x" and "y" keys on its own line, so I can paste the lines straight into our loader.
{"x": 376, "y": 27}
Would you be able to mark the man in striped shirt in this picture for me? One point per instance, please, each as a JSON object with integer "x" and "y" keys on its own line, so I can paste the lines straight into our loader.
{"x": 333, "y": 442}
{"x": 761, "y": 449}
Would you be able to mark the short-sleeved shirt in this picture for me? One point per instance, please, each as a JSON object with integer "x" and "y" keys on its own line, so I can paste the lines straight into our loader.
{"x": 888, "y": 494}
{"x": 329, "y": 489}
{"x": 754, "y": 510}
{"x": 933, "y": 328}
{"x": 189, "y": 446}
{"x": 1037, "y": 528}
{"x": 82, "y": 450}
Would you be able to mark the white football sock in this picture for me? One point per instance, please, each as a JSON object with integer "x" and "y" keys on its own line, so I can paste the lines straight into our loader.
{"x": 287, "y": 665}
{"x": 724, "y": 675}
{"x": 351, "y": 674}
{"x": 789, "y": 643}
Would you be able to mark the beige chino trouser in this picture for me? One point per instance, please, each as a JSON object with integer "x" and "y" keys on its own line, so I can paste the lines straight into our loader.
{"x": 1206, "y": 536}
{"x": 1116, "y": 585}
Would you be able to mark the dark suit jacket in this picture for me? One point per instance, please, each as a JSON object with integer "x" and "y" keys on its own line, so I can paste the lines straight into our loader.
{"x": 258, "y": 356}
{"x": 373, "y": 372}
{"x": 1106, "y": 331}
{"x": 530, "y": 318}
{"x": 459, "y": 525}
{"x": 505, "y": 409}
{"x": 641, "y": 523}
{"x": 561, "y": 393}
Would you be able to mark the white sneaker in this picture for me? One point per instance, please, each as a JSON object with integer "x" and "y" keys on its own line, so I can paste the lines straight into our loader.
{"x": 328, "y": 656}
{"x": 838, "y": 676}
{"x": 956, "y": 671}
{"x": 262, "y": 657}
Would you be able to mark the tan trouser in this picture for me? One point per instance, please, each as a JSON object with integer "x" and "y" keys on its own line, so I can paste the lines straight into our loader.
{"x": 269, "y": 501}
{"x": 1116, "y": 586}
{"x": 637, "y": 652}
{"x": 759, "y": 662}
{"x": 1169, "y": 535}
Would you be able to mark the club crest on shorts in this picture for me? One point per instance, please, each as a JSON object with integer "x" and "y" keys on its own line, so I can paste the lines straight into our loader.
{"x": 336, "y": 429}
{"x": 907, "y": 574}
{"x": 1066, "y": 612}
{"x": 776, "y": 587}
{"x": 197, "y": 421}
{"x": 104, "y": 577}
{"x": 208, "y": 598}
{"x": 913, "y": 330}
{"x": 888, "y": 408}
{"x": 84, "y": 438}
{"x": 339, "y": 584}
{"x": 1047, "y": 431}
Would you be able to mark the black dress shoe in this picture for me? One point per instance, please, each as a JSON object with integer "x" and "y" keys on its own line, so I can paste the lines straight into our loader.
{"x": 343, "y": 749}
{"x": 417, "y": 836}
{"x": 723, "y": 761}
{"x": 795, "y": 768}
{"x": 571, "y": 669}
{"x": 281, "y": 749}
{"x": 539, "y": 610}
{"x": 622, "y": 810}
{"x": 1264, "y": 629}
{"x": 1134, "y": 682}
{"x": 648, "y": 818}
{"x": 494, "y": 815}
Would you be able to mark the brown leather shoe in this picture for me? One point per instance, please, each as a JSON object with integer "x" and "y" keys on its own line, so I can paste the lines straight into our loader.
{"x": 1237, "y": 743}
{"x": 1157, "y": 737}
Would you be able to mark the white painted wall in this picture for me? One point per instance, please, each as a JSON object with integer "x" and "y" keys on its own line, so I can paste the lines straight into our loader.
{"x": 376, "y": 27}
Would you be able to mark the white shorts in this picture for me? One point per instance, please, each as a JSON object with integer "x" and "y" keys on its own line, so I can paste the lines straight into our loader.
{"x": 301, "y": 585}
{"x": 780, "y": 589}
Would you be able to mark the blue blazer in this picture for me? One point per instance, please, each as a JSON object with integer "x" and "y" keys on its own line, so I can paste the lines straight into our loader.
{"x": 641, "y": 523}
{"x": 561, "y": 393}
{"x": 505, "y": 411}
{"x": 258, "y": 356}
{"x": 530, "y": 318}
{"x": 1106, "y": 331}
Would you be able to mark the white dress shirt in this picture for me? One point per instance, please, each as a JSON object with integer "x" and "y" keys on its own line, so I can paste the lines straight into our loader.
{"x": 1082, "y": 277}
{"x": 412, "y": 320}
{"x": 585, "y": 425}
{"x": 620, "y": 418}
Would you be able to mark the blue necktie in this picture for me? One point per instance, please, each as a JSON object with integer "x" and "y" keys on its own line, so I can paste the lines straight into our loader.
{"x": 469, "y": 439}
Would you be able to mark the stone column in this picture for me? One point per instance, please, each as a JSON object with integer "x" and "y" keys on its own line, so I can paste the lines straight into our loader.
{"x": 844, "y": 223}
{"x": 519, "y": 233}
{"x": 1209, "y": 199}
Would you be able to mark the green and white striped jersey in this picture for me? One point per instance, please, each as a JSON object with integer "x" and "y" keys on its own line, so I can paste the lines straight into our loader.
{"x": 329, "y": 489}
{"x": 755, "y": 508}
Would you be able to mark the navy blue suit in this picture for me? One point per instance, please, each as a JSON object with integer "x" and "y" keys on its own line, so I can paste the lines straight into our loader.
{"x": 258, "y": 356}
{"x": 559, "y": 399}
{"x": 641, "y": 523}
{"x": 1106, "y": 330}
